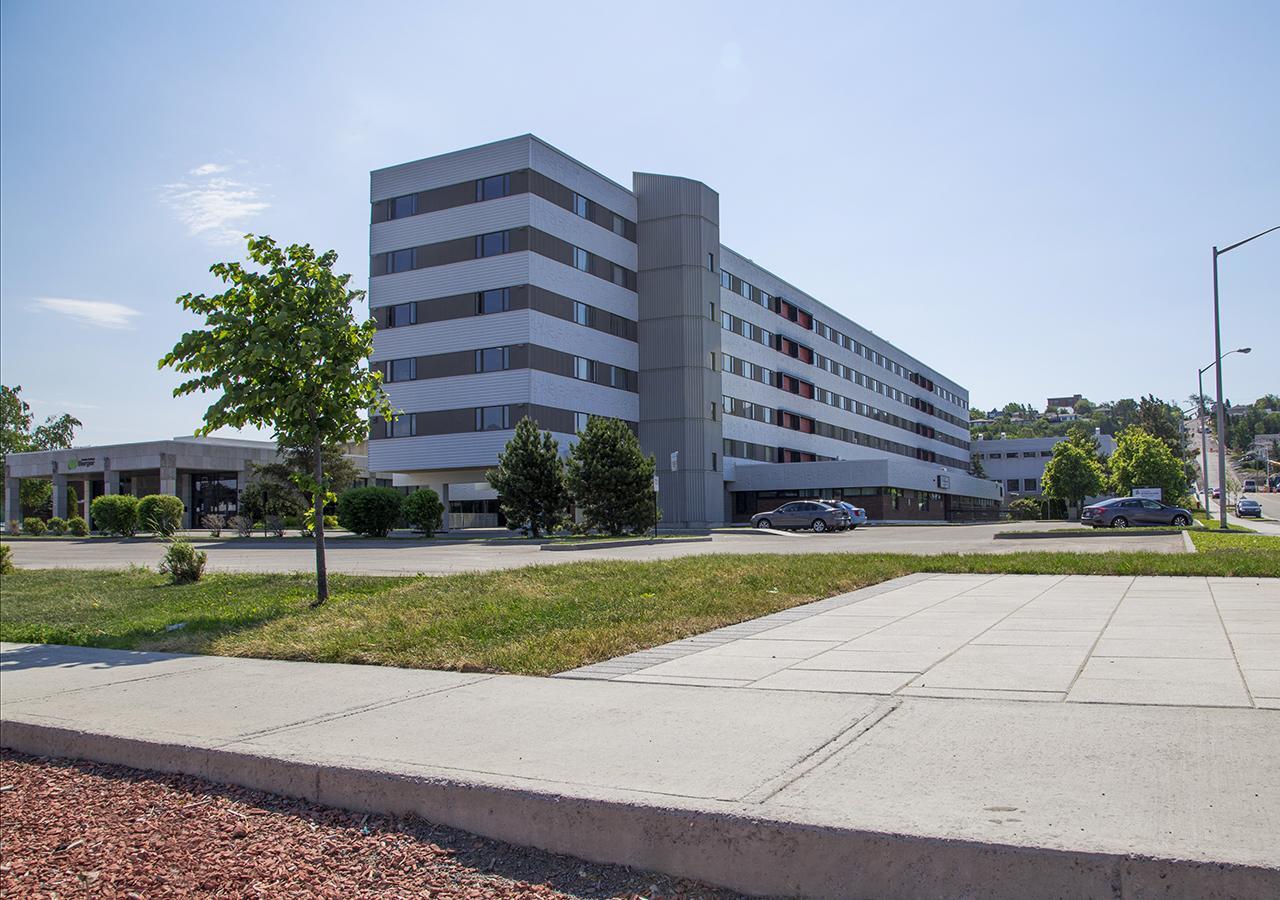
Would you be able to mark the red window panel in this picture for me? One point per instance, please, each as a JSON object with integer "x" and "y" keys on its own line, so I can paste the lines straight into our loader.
{"x": 805, "y": 354}
{"x": 806, "y": 389}
{"x": 804, "y": 319}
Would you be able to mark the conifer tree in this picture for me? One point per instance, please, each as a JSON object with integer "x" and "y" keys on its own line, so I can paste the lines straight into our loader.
{"x": 529, "y": 479}
{"x": 610, "y": 478}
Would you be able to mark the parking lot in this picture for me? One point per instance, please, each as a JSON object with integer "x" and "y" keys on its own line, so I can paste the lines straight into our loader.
{"x": 446, "y": 554}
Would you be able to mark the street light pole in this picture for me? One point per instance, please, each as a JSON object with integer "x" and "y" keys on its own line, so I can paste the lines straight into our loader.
{"x": 1217, "y": 354}
{"x": 1204, "y": 434}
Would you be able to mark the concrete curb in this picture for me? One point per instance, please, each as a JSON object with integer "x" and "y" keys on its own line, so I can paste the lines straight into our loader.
{"x": 725, "y": 845}
{"x": 1092, "y": 533}
{"x": 1188, "y": 544}
{"x": 639, "y": 542}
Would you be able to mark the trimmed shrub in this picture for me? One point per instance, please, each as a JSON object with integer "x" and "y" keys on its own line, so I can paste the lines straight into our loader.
{"x": 78, "y": 526}
{"x": 13, "y": 527}
{"x": 241, "y": 525}
{"x": 371, "y": 511}
{"x": 214, "y": 522}
{"x": 423, "y": 511}
{"x": 160, "y": 514}
{"x": 1024, "y": 508}
{"x": 273, "y": 525}
{"x": 6, "y": 559}
{"x": 57, "y": 525}
{"x": 33, "y": 525}
{"x": 183, "y": 563}
{"x": 115, "y": 514}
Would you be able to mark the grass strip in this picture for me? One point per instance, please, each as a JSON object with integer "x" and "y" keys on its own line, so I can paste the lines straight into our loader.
{"x": 535, "y": 620}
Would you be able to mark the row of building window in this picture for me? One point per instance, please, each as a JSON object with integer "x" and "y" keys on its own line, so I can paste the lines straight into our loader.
{"x": 789, "y": 383}
{"x": 498, "y": 359}
{"x": 499, "y": 300}
{"x": 763, "y": 453}
{"x": 1026, "y": 454}
{"x": 1011, "y": 485}
{"x": 795, "y": 350}
{"x": 803, "y": 318}
{"x": 496, "y": 187}
{"x": 806, "y": 425}
{"x": 499, "y": 243}
{"x": 486, "y": 418}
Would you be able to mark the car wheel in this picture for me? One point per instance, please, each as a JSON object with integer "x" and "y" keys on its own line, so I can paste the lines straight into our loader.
{"x": 1119, "y": 522}
{"x": 1180, "y": 522}
{"x": 764, "y": 523}
{"x": 819, "y": 526}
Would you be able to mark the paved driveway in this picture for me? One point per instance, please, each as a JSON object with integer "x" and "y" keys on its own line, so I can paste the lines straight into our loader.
{"x": 398, "y": 557}
{"x": 1075, "y": 639}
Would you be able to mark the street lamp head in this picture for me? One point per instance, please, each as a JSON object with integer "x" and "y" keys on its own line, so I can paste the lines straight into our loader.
{"x": 1245, "y": 350}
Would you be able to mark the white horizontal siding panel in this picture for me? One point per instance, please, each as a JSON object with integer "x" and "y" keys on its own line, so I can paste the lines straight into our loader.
{"x": 461, "y": 221}
{"x": 560, "y": 334}
{"x": 562, "y": 392}
{"x": 461, "y": 391}
{"x": 574, "y": 175}
{"x": 472, "y": 449}
{"x": 568, "y": 281}
{"x": 451, "y": 168}
{"x": 456, "y": 278}
{"x": 546, "y": 216}
{"x": 497, "y": 329}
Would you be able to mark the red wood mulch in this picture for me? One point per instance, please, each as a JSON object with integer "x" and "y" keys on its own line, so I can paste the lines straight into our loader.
{"x": 73, "y": 829}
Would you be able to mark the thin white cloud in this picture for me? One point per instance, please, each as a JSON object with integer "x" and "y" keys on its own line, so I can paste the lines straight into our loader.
{"x": 213, "y": 206}
{"x": 99, "y": 313}
{"x": 209, "y": 169}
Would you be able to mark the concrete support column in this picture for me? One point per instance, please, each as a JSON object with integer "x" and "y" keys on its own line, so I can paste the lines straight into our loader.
{"x": 111, "y": 482}
{"x": 12, "y": 499}
{"x": 60, "y": 496}
{"x": 183, "y": 493}
{"x": 168, "y": 475}
{"x": 444, "y": 498}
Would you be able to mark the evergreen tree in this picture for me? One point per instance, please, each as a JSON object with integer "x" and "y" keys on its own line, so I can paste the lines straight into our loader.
{"x": 530, "y": 481}
{"x": 610, "y": 478}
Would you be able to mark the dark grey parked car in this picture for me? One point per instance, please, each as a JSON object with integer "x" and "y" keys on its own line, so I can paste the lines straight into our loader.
{"x": 1124, "y": 512}
{"x": 803, "y": 514}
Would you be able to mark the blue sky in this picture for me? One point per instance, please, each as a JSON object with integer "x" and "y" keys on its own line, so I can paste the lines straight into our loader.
{"x": 1023, "y": 195}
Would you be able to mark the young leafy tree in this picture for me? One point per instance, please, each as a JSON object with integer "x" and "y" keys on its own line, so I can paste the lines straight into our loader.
{"x": 283, "y": 349}
{"x": 1143, "y": 460}
{"x": 610, "y": 477}
{"x": 529, "y": 480}
{"x": 17, "y": 436}
{"x": 1072, "y": 474}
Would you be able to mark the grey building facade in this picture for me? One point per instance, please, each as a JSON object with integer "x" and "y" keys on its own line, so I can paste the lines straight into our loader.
{"x": 1017, "y": 464}
{"x": 509, "y": 280}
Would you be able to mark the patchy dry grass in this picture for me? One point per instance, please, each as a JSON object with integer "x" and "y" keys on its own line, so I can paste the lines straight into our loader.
{"x": 535, "y": 620}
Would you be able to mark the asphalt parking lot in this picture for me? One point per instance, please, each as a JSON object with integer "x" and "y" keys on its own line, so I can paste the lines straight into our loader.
{"x": 445, "y": 556}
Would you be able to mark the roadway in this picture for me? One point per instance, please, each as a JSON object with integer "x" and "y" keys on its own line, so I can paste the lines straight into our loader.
{"x": 1270, "y": 523}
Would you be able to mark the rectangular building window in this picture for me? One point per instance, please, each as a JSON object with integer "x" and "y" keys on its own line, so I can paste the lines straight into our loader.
{"x": 493, "y": 418}
{"x": 713, "y": 460}
{"x": 713, "y": 410}
{"x": 402, "y": 369}
{"x": 493, "y": 187}
{"x": 493, "y": 243}
{"x": 495, "y": 301}
{"x": 1012, "y": 484}
{"x": 402, "y": 314}
{"x": 493, "y": 359}
{"x": 582, "y": 313}
{"x": 581, "y": 260}
{"x": 403, "y": 207}
{"x": 1028, "y": 484}
{"x": 726, "y": 280}
{"x": 711, "y": 262}
{"x": 400, "y": 260}
{"x": 713, "y": 361}
{"x": 580, "y": 422}
{"x": 584, "y": 369}
{"x": 402, "y": 426}
{"x": 581, "y": 206}
{"x": 619, "y": 225}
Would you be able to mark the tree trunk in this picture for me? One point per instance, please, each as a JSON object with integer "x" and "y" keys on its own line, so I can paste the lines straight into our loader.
{"x": 322, "y": 576}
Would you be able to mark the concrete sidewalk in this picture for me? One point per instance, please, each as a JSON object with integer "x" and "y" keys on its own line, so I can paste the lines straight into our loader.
{"x": 765, "y": 791}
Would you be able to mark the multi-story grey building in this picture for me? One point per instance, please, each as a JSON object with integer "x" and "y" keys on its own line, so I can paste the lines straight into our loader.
{"x": 511, "y": 280}
{"x": 1017, "y": 464}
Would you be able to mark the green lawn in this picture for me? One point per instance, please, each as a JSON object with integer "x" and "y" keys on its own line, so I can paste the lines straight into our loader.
{"x": 536, "y": 620}
{"x": 1218, "y": 540}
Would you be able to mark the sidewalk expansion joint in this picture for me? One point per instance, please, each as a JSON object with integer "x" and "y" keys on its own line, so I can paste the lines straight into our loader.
{"x": 844, "y": 739}
{"x": 110, "y": 684}
{"x": 346, "y": 713}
